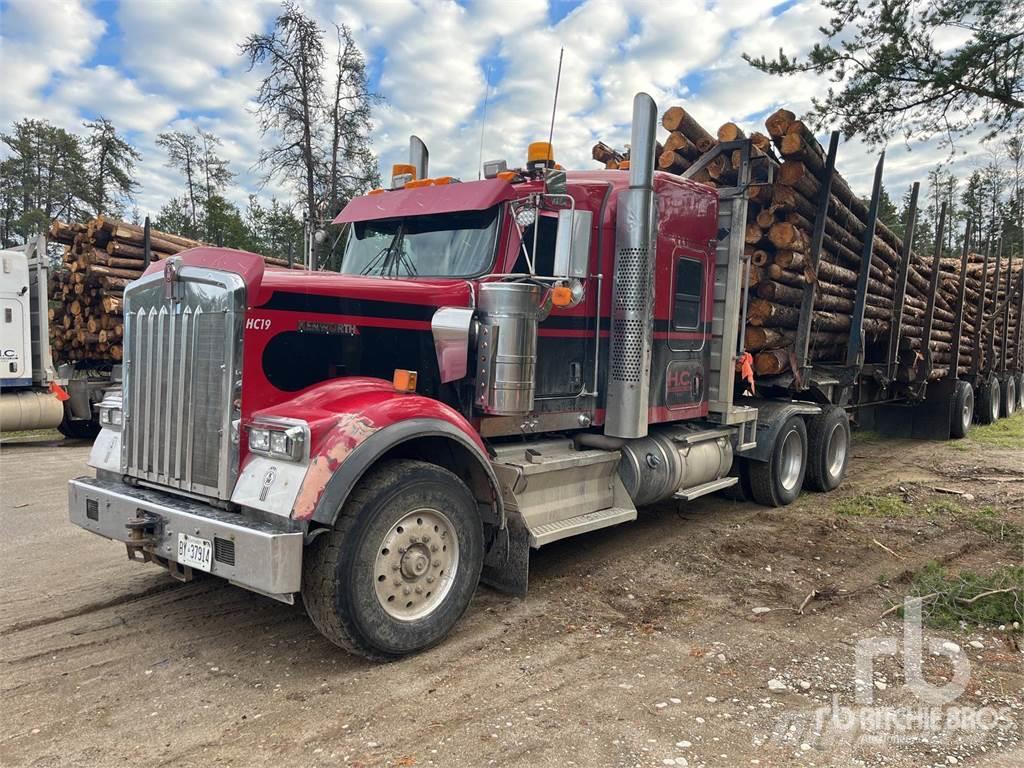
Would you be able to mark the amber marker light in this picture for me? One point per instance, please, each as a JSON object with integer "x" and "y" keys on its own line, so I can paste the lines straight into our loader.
{"x": 404, "y": 381}
{"x": 561, "y": 296}
{"x": 540, "y": 152}
{"x": 402, "y": 174}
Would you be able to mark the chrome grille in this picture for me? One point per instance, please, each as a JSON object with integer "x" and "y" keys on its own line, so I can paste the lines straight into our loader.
{"x": 182, "y": 357}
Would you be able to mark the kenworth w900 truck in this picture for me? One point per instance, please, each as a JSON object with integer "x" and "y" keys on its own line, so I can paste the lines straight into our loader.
{"x": 498, "y": 365}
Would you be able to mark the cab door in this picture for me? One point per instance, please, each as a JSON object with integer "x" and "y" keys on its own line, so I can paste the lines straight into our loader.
{"x": 682, "y": 335}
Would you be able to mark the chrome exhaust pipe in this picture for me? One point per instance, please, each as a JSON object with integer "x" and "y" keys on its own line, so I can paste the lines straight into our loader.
{"x": 419, "y": 157}
{"x": 642, "y": 142}
{"x": 632, "y": 330}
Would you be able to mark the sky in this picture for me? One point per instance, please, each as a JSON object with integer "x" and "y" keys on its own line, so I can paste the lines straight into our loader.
{"x": 440, "y": 67}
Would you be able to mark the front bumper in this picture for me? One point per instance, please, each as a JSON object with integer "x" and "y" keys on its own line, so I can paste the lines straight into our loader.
{"x": 250, "y": 553}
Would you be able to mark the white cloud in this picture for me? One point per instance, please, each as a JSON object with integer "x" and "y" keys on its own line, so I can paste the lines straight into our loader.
{"x": 30, "y": 59}
{"x": 175, "y": 65}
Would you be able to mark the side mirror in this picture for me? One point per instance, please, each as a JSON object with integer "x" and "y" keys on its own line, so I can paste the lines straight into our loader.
{"x": 572, "y": 243}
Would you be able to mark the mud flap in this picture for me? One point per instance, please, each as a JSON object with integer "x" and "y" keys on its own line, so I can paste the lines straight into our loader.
{"x": 507, "y": 562}
{"x": 930, "y": 419}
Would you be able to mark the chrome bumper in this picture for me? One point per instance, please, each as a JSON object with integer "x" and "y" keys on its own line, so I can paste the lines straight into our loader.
{"x": 250, "y": 553}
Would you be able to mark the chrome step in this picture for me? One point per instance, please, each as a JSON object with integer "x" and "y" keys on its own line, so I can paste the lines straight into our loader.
{"x": 689, "y": 494}
{"x": 588, "y": 521}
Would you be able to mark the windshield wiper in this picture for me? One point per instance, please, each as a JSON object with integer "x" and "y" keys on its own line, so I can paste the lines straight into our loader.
{"x": 386, "y": 255}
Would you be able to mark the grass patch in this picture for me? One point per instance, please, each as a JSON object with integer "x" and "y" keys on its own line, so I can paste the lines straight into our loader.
{"x": 1005, "y": 433}
{"x": 944, "y": 507}
{"x": 990, "y": 599}
{"x": 30, "y": 435}
{"x": 985, "y": 520}
{"x": 1000, "y": 530}
{"x": 870, "y": 505}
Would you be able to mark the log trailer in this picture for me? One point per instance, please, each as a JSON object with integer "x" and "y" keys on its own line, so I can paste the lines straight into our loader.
{"x": 499, "y": 365}
{"x": 35, "y": 393}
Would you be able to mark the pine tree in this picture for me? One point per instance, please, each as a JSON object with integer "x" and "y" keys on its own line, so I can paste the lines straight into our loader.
{"x": 111, "y": 166}
{"x": 183, "y": 154}
{"x": 895, "y": 73}
{"x": 44, "y": 177}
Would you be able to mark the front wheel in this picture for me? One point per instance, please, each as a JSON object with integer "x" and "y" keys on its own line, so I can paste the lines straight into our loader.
{"x": 776, "y": 482}
{"x": 400, "y": 566}
{"x": 828, "y": 449}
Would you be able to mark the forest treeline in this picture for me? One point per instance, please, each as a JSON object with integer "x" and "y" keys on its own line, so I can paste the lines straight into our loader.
{"x": 312, "y": 109}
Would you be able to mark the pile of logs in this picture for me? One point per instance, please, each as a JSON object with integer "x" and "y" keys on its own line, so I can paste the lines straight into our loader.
{"x": 100, "y": 258}
{"x": 783, "y": 204}
{"x": 994, "y": 337}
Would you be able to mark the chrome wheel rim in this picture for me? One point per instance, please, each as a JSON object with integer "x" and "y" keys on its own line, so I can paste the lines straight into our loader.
{"x": 792, "y": 460}
{"x": 416, "y": 564}
{"x": 994, "y": 400}
{"x": 968, "y": 409}
{"x": 835, "y": 455}
{"x": 1011, "y": 397}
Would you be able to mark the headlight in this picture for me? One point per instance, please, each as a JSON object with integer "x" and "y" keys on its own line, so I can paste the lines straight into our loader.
{"x": 282, "y": 442}
{"x": 259, "y": 440}
{"x": 110, "y": 417}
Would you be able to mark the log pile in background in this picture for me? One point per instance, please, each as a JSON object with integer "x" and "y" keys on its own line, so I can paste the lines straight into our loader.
{"x": 778, "y": 233}
{"x": 100, "y": 258}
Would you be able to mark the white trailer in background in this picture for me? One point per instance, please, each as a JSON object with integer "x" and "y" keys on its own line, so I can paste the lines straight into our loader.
{"x": 34, "y": 394}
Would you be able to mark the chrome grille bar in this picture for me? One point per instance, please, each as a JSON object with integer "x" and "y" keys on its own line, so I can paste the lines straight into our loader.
{"x": 190, "y": 429}
{"x": 148, "y": 401}
{"x": 174, "y": 403}
{"x": 183, "y": 359}
{"x": 181, "y": 367}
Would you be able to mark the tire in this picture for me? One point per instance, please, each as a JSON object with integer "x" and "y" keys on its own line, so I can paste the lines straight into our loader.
{"x": 1008, "y": 400}
{"x": 78, "y": 429}
{"x": 378, "y": 534}
{"x": 741, "y": 490}
{"x": 963, "y": 410}
{"x": 987, "y": 409}
{"x": 1020, "y": 391}
{"x": 777, "y": 482}
{"x": 828, "y": 449}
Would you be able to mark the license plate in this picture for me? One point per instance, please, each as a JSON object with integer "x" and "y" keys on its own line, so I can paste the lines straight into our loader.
{"x": 195, "y": 552}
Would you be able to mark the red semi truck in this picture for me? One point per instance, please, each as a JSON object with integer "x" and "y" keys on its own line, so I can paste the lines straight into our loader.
{"x": 500, "y": 364}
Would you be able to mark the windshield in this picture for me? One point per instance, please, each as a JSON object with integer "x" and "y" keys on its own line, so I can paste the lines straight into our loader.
{"x": 446, "y": 245}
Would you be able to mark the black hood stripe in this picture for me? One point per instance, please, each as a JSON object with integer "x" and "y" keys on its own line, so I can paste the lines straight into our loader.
{"x": 285, "y": 301}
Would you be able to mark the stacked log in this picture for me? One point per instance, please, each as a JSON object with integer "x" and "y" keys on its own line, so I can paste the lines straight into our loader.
{"x": 100, "y": 258}
{"x": 778, "y": 235}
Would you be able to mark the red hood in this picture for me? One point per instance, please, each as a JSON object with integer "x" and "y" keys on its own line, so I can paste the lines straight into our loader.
{"x": 433, "y": 291}
{"x": 262, "y": 281}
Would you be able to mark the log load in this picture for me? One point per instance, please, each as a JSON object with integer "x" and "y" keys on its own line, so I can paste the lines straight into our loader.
{"x": 778, "y": 236}
{"x": 86, "y": 294}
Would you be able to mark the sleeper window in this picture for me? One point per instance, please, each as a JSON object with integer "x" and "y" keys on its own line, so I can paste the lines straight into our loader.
{"x": 689, "y": 284}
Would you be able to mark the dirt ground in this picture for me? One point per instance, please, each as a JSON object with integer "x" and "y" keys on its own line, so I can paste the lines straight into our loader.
{"x": 675, "y": 640}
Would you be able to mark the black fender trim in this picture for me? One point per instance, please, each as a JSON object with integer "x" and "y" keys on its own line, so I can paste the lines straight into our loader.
{"x": 771, "y": 415}
{"x": 380, "y": 442}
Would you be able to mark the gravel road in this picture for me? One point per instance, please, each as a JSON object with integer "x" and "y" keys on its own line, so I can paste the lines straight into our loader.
{"x": 676, "y": 640}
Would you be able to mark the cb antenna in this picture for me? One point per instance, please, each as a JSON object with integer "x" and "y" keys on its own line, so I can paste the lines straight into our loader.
{"x": 483, "y": 125}
{"x": 554, "y": 106}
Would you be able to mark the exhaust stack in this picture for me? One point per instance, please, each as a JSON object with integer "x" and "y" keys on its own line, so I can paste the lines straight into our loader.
{"x": 629, "y": 373}
{"x": 419, "y": 157}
